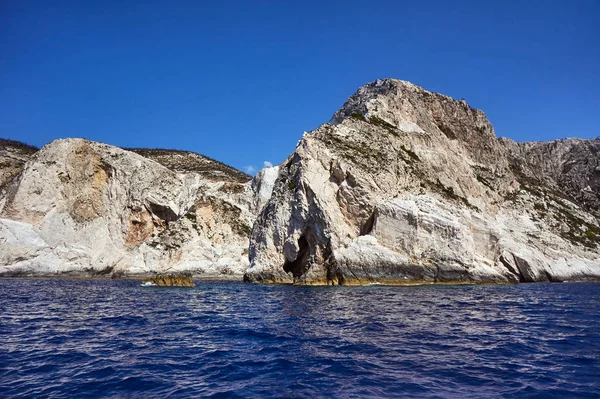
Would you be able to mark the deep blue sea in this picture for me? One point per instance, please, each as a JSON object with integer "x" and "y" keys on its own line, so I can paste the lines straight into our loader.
{"x": 79, "y": 338}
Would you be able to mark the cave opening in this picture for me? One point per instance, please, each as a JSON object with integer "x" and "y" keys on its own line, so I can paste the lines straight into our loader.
{"x": 297, "y": 266}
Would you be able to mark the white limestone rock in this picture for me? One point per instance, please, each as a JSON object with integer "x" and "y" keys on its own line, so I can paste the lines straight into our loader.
{"x": 404, "y": 186}
{"x": 86, "y": 208}
{"x": 407, "y": 186}
{"x": 263, "y": 186}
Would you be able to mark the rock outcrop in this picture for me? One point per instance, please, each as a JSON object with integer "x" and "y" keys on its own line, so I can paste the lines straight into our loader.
{"x": 170, "y": 280}
{"x": 406, "y": 186}
{"x": 85, "y": 208}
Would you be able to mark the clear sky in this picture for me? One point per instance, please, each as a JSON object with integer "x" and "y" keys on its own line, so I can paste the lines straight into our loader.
{"x": 240, "y": 81}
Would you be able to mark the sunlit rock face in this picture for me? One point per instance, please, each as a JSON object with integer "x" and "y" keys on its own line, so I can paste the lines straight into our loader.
{"x": 403, "y": 186}
{"x": 84, "y": 208}
{"x": 406, "y": 186}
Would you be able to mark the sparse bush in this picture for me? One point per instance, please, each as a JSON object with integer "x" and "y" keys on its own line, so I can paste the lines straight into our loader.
{"x": 359, "y": 116}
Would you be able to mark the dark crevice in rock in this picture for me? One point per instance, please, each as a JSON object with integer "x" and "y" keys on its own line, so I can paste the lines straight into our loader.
{"x": 337, "y": 174}
{"x": 551, "y": 278}
{"x": 108, "y": 169}
{"x": 367, "y": 227}
{"x": 163, "y": 212}
{"x": 447, "y": 131}
{"x": 298, "y": 266}
{"x": 525, "y": 270}
{"x": 511, "y": 269}
{"x": 351, "y": 180}
{"x": 333, "y": 274}
{"x": 103, "y": 272}
{"x": 436, "y": 277}
{"x": 339, "y": 273}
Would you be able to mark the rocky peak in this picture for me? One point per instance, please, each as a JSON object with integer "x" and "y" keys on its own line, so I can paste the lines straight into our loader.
{"x": 409, "y": 186}
{"x": 382, "y": 90}
{"x": 398, "y": 104}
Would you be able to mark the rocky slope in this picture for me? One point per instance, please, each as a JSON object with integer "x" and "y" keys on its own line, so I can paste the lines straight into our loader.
{"x": 85, "y": 208}
{"x": 186, "y": 162}
{"x": 569, "y": 167}
{"x": 13, "y": 156}
{"x": 407, "y": 186}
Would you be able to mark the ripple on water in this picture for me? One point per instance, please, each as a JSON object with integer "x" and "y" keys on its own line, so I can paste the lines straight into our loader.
{"x": 91, "y": 338}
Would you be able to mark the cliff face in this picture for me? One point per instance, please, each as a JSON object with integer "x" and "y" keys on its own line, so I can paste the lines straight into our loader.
{"x": 86, "y": 208}
{"x": 403, "y": 186}
{"x": 407, "y": 186}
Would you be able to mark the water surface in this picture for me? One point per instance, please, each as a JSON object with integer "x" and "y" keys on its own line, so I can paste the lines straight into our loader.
{"x": 64, "y": 338}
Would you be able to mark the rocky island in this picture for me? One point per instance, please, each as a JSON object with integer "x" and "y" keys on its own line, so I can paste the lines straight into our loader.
{"x": 402, "y": 186}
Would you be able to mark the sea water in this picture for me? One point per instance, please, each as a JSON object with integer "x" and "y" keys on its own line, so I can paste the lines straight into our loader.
{"x": 84, "y": 338}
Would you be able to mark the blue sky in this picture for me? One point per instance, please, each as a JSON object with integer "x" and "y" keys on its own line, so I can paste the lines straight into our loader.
{"x": 240, "y": 81}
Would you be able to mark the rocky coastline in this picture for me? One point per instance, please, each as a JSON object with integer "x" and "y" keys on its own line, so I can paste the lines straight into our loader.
{"x": 402, "y": 187}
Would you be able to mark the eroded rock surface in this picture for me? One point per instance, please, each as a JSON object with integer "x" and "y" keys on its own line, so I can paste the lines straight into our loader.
{"x": 407, "y": 186}
{"x": 85, "y": 208}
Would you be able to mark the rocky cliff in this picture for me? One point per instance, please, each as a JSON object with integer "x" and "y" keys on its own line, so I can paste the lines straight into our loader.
{"x": 86, "y": 208}
{"x": 406, "y": 186}
{"x": 403, "y": 186}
